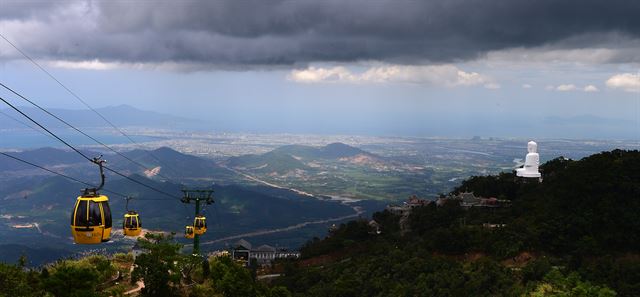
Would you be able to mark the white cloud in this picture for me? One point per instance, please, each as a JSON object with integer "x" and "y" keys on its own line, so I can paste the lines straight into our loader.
{"x": 85, "y": 65}
{"x": 566, "y": 88}
{"x": 442, "y": 75}
{"x": 527, "y": 86}
{"x": 626, "y": 81}
{"x": 571, "y": 88}
{"x": 492, "y": 86}
{"x": 314, "y": 75}
{"x": 590, "y": 88}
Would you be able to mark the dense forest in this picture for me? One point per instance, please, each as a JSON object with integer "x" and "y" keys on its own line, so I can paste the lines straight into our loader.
{"x": 575, "y": 234}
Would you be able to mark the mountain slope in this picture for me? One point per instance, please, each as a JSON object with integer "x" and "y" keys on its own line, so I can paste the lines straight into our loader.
{"x": 236, "y": 210}
{"x": 165, "y": 161}
{"x": 268, "y": 162}
{"x": 294, "y": 157}
{"x": 577, "y": 228}
{"x": 42, "y": 156}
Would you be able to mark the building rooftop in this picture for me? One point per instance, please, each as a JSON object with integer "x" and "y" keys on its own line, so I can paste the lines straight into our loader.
{"x": 242, "y": 245}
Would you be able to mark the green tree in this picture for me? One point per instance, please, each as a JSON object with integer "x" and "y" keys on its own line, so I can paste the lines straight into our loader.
{"x": 71, "y": 279}
{"x": 231, "y": 279}
{"x": 157, "y": 267}
{"x": 556, "y": 284}
{"x": 15, "y": 281}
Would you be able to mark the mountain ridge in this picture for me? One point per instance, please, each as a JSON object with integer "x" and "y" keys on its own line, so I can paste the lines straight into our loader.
{"x": 119, "y": 115}
{"x": 295, "y": 157}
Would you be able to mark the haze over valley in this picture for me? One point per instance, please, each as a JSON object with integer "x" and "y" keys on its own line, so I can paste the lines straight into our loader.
{"x": 322, "y": 179}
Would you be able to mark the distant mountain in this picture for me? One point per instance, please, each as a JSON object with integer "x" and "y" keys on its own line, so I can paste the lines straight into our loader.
{"x": 173, "y": 164}
{"x": 293, "y": 157}
{"x": 167, "y": 162}
{"x": 273, "y": 161}
{"x": 121, "y": 116}
{"x": 588, "y": 120}
{"x": 42, "y": 156}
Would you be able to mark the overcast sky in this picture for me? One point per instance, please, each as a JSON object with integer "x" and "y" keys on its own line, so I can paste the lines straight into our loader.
{"x": 521, "y": 68}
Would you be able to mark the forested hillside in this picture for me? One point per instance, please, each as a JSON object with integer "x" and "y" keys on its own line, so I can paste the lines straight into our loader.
{"x": 574, "y": 234}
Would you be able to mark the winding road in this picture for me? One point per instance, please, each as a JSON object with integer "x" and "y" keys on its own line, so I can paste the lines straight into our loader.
{"x": 288, "y": 228}
{"x": 357, "y": 209}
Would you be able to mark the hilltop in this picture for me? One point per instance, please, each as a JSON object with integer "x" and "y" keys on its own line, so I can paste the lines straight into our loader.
{"x": 574, "y": 231}
{"x": 336, "y": 169}
{"x": 164, "y": 163}
{"x": 294, "y": 157}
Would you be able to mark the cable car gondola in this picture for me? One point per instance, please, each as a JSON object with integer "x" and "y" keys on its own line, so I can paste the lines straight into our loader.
{"x": 91, "y": 215}
{"x": 188, "y": 232}
{"x": 200, "y": 224}
{"x": 131, "y": 225}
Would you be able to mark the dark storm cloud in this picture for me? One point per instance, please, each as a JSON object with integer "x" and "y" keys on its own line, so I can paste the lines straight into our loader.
{"x": 23, "y": 9}
{"x": 258, "y": 32}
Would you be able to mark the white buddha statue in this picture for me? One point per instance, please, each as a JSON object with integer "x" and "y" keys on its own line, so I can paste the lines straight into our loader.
{"x": 531, "y": 162}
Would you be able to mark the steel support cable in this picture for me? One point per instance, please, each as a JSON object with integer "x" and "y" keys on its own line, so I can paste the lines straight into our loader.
{"x": 140, "y": 183}
{"x": 151, "y": 199}
{"x": 82, "y": 154}
{"x": 52, "y": 134}
{"x": 80, "y": 99}
{"x": 87, "y": 184}
{"x": 60, "y": 174}
{"x": 77, "y": 129}
{"x": 24, "y": 124}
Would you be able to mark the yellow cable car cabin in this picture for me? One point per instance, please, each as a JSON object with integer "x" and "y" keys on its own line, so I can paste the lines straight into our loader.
{"x": 91, "y": 219}
{"x": 200, "y": 225}
{"x": 132, "y": 226}
{"x": 188, "y": 232}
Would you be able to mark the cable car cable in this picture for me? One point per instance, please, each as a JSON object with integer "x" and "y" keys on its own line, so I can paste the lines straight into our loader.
{"x": 24, "y": 124}
{"x": 140, "y": 183}
{"x": 82, "y": 154}
{"x": 60, "y": 174}
{"x": 78, "y": 98}
{"x": 77, "y": 129}
{"x": 52, "y": 134}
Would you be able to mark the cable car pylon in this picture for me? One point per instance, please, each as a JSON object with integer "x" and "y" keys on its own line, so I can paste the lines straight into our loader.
{"x": 199, "y": 224}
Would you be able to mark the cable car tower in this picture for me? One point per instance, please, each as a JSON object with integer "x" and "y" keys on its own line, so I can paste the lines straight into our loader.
{"x": 197, "y": 196}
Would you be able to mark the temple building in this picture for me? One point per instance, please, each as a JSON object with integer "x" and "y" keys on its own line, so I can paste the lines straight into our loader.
{"x": 243, "y": 251}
